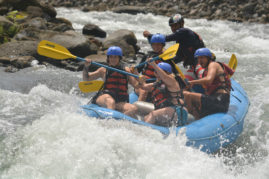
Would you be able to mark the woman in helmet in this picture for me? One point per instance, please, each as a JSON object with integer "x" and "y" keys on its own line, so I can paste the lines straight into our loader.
{"x": 114, "y": 93}
{"x": 157, "y": 42}
{"x": 189, "y": 42}
{"x": 217, "y": 85}
{"x": 166, "y": 97}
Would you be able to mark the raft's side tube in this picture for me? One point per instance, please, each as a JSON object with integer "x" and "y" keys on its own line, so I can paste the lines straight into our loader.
{"x": 218, "y": 130}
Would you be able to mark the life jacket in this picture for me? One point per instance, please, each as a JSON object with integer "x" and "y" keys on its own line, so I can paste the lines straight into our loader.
{"x": 148, "y": 70}
{"x": 199, "y": 70}
{"x": 117, "y": 83}
{"x": 194, "y": 73}
{"x": 162, "y": 97}
{"x": 217, "y": 83}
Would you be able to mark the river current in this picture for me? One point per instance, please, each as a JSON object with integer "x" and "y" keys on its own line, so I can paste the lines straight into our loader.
{"x": 43, "y": 133}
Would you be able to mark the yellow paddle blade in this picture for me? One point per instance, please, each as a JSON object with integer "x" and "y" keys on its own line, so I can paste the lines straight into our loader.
{"x": 233, "y": 62}
{"x": 179, "y": 71}
{"x": 53, "y": 50}
{"x": 90, "y": 86}
{"x": 170, "y": 52}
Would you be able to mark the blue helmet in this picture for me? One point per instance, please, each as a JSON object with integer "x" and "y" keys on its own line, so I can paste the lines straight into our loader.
{"x": 203, "y": 52}
{"x": 114, "y": 50}
{"x": 165, "y": 67}
{"x": 158, "y": 38}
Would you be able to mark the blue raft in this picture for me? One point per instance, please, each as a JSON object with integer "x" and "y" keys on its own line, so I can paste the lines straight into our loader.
{"x": 208, "y": 134}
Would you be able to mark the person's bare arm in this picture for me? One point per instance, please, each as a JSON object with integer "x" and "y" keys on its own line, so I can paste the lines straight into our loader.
{"x": 88, "y": 76}
{"x": 99, "y": 73}
{"x": 169, "y": 80}
{"x": 146, "y": 33}
{"x": 139, "y": 82}
{"x": 145, "y": 86}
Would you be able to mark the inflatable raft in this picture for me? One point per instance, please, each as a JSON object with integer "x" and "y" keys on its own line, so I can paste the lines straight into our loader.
{"x": 209, "y": 134}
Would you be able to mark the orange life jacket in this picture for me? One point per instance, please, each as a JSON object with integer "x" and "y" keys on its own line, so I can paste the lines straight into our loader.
{"x": 217, "y": 83}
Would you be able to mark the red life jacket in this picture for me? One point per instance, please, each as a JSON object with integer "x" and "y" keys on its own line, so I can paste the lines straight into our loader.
{"x": 148, "y": 70}
{"x": 217, "y": 83}
{"x": 199, "y": 70}
{"x": 162, "y": 97}
{"x": 117, "y": 83}
{"x": 194, "y": 73}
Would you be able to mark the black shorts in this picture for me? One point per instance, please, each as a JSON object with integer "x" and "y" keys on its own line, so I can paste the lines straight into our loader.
{"x": 216, "y": 103}
{"x": 117, "y": 98}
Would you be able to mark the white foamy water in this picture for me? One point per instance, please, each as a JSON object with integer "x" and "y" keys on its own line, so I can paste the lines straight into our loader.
{"x": 43, "y": 133}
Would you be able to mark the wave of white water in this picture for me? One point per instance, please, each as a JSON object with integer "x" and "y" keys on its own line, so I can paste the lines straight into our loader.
{"x": 45, "y": 135}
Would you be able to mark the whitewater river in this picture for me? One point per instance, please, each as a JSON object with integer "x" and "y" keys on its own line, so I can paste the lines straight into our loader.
{"x": 44, "y": 135}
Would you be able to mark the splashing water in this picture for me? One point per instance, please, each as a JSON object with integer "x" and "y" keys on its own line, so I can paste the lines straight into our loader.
{"x": 44, "y": 134}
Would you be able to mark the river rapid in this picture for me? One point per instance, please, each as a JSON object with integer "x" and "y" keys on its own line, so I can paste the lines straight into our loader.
{"x": 43, "y": 133}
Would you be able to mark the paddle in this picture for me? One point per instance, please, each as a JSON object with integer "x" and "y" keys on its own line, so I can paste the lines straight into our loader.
{"x": 166, "y": 55}
{"x": 179, "y": 71}
{"x": 93, "y": 86}
{"x": 90, "y": 86}
{"x": 233, "y": 62}
{"x": 56, "y": 51}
